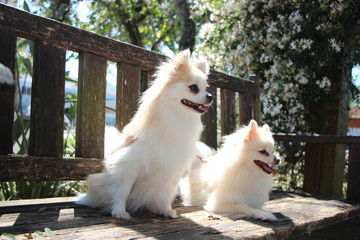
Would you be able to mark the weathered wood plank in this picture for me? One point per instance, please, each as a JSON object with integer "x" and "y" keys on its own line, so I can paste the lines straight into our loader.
{"x": 209, "y": 134}
{"x": 8, "y": 49}
{"x": 127, "y": 93}
{"x": 145, "y": 80}
{"x": 34, "y": 168}
{"x": 317, "y": 178}
{"x": 317, "y": 138}
{"x": 257, "y": 103}
{"x": 7, "y": 94}
{"x": 349, "y": 229}
{"x": 353, "y": 177}
{"x": 298, "y": 215}
{"x": 228, "y": 121}
{"x": 34, "y": 27}
{"x": 47, "y": 100}
{"x": 91, "y": 106}
{"x": 320, "y": 174}
{"x": 225, "y": 81}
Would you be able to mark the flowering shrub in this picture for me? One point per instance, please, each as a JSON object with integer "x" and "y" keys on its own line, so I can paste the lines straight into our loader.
{"x": 301, "y": 51}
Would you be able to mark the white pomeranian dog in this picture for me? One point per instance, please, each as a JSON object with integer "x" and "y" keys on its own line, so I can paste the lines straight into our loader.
{"x": 237, "y": 180}
{"x": 157, "y": 147}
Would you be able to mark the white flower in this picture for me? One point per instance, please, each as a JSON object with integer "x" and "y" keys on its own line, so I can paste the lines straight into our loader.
{"x": 324, "y": 83}
{"x": 293, "y": 45}
{"x": 206, "y": 29}
{"x": 335, "y": 45}
{"x": 306, "y": 43}
{"x": 301, "y": 78}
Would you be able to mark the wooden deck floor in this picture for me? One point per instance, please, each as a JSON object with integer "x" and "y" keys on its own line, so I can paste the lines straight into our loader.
{"x": 300, "y": 217}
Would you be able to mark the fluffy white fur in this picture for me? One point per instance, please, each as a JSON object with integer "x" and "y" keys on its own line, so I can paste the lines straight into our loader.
{"x": 157, "y": 147}
{"x": 230, "y": 183}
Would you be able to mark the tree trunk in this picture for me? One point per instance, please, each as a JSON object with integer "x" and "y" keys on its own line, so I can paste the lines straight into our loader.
{"x": 188, "y": 30}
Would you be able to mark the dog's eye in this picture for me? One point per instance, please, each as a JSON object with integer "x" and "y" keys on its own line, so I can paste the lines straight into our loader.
{"x": 264, "y": 152}
{"x": 194, "y": 88}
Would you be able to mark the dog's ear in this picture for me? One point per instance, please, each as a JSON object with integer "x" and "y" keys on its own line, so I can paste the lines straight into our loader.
{"x": 203, "y": 66}
{"x": 266, "y": 127}
{"x": 252, "y": 130}
{"x": 182, "y": 60}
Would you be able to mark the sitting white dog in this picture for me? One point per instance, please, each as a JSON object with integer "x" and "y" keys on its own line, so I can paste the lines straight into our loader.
{"x": 157, "y": 147}
{"x": 237, "y": 180}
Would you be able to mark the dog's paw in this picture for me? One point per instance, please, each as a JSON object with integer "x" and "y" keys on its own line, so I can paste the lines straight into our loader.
{"x": 264, "y": 215}
{"x": 120, "y": 214}
{"x": 170, "y": 214}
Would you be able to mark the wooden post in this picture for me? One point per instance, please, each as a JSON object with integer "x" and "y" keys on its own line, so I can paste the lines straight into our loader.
{"x": 246, "y": 108}
{"x": 47, "y": 100}
{"x": 209, "y": 135}
{"x": 7, "y": 93}
{"x": 257, "y": 103}
{"x": 91, "y": 106}
{"x": 353, "y": 179}
{"x": 8, "y": 49}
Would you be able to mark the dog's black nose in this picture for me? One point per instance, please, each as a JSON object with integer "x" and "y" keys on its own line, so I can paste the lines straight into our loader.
{"x": 209, "y": 98}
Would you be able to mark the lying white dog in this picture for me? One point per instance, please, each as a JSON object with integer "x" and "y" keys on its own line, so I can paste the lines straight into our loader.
{"x": 237, "y": 180}
{"x": 157, "y": 146}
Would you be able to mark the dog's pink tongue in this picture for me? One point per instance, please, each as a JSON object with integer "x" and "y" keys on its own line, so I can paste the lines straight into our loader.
{"x": 267, "y": 167}
{"x": 204, "y": 108}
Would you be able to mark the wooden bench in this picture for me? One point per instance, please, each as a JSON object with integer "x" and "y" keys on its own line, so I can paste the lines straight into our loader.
{"x": 299, "y": 215}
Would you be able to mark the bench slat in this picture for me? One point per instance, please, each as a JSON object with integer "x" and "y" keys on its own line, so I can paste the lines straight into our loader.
{"x": 228, "y": 121}
{"x": 236, "y": 84}
{"x": 300, "y": 217}
{"x": 209, "y": 134}
{"x": 127, "y": 93}
{"x": 91, "y": 106}
{"x": 47, "y": 100}
{"x": 7, "y": 92}
{"x": 30, "y": 26}
{"x": 8, "y": 49}
{"x": 41, "y": 168}
{"x": 353, "y": 178}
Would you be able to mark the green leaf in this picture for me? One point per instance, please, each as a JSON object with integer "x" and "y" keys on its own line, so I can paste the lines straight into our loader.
{"x": 26, "y": 7}
{"x": 8, "y": 236}
{"x": 47, "y": 231}
{"x": 39, "y": 234}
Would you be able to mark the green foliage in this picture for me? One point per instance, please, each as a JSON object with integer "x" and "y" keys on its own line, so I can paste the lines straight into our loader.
{"x": 70, "y": 114}
{"x": 39, "y": 189}
{"x": 7, "y": 236}
{"x": 297, "y": 48}
{"x": 151, "y": 24}
{"x": 62, "y": 11}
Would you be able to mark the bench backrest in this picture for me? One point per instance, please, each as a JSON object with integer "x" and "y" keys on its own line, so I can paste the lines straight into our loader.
{"x": 239, "y": 98}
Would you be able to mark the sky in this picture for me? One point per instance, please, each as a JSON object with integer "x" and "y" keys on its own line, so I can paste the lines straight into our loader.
{"x": 356, "y": 75}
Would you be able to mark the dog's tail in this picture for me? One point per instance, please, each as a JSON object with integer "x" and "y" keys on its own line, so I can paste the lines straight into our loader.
{"x": 83, "y": 199}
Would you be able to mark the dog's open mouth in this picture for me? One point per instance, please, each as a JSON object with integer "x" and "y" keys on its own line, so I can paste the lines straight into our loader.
{"x": 196, "y": 106}
{"x": 265, "y": 167}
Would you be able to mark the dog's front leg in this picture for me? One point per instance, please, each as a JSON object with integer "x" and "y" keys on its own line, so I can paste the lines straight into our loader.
{"x": 121, "y": 193}
{"x": 235, "y": 210}
{"x": 169, "y": 212}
